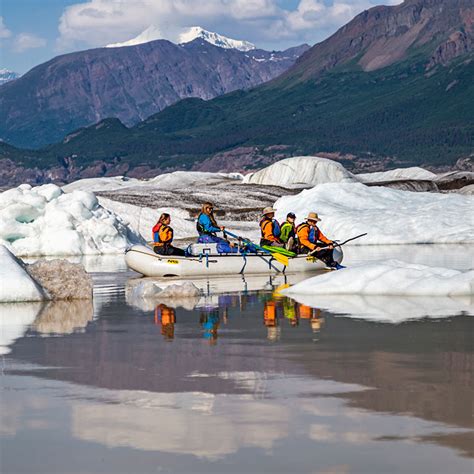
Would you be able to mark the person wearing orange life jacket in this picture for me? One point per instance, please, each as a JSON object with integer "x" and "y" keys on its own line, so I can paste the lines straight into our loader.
{"x": 312, "y": 240}
{"x": 270, "y": 229}
{"x": 163, "y": 237}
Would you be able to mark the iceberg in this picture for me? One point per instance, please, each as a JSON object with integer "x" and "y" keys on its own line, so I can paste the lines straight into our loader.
{"x": 16, "y": 284}
{"x": 389, "y": 216}
{"x": 45, "y": 221}
{"x": 300, "y": 172}
{"x": 391, "y": 277}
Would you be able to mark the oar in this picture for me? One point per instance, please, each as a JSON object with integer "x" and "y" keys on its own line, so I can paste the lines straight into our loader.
{"x": 277, "y": 256}
{"x": 350, "y": 240}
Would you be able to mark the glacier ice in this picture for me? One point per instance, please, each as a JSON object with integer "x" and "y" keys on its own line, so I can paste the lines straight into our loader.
{"x": 45, "y": 221}
{"x": 16, "y": 284}
{"x": 389, "y": 216}
{"x": 301, "y": 171}
{"x": 390, "y": 277}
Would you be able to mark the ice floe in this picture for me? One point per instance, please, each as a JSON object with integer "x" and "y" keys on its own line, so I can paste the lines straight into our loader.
{"x": 391, "y": 277}
{"x": 301, "y": 171}
{"x": 389, "y": 216}
{"x": 45, "y": 221}
{"x": 15, "y": 282}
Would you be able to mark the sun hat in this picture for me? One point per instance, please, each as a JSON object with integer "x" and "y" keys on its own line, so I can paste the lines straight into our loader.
{"x": 313, "y": 216}
{"x": 268, "y": 210}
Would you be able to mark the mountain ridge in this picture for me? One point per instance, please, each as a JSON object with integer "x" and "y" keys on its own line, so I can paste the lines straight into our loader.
{"x": 130, "y": 83}
{"x": 415, "y": 111}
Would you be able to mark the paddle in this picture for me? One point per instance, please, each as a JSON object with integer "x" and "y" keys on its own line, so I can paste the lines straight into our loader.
{"x": 278, "y": 257}
{"x": 350, "y": 240}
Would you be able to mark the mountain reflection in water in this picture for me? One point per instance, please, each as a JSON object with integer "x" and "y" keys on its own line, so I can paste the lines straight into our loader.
{"x": 211, "y": 382}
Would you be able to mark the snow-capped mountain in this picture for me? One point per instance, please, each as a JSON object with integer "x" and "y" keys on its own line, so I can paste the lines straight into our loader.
{"x": 216, "y": 39}
{"x": 6, "y": 76}
{"x": 152, "y": 33}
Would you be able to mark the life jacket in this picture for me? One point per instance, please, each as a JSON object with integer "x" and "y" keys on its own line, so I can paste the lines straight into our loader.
{"x": 313, "y": 236}
{"x": 276, "y": 231}
{"x": 157, "y": 230}
{"x": 291, "y": 232}
{"x": 200, "y": 228}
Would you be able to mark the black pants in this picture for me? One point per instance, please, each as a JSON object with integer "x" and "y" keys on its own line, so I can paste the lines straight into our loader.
{"x": 325, "y": 255}
{"x": 168, "y": 250}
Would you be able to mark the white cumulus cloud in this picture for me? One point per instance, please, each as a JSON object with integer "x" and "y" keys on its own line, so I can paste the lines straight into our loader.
{"x": 264, "y": 22}
{"x": 4, "y": 31}
{"x": 25, "y": 41}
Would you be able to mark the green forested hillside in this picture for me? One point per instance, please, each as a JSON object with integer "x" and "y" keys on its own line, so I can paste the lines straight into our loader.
{"x": 399, "y": 111}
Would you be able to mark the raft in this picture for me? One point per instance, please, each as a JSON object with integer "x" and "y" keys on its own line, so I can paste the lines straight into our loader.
{"x": 144, "y": 260}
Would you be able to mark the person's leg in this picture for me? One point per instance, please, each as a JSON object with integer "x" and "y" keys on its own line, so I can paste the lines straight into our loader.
{"x": 177, "y": 251}
{"x": 325, "y": 255}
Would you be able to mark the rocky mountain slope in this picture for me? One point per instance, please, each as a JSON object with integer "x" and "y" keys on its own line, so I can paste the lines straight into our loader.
{"x": 128, "y": 83}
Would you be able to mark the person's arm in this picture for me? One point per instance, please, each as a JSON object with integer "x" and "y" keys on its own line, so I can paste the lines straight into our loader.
{"x": 324, "y": 239}
{"x": 205, "y": 221}
{"x": 303, "y": 236}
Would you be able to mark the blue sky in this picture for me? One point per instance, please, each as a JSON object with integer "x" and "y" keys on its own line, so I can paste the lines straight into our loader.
{"x": 34, "y": 31}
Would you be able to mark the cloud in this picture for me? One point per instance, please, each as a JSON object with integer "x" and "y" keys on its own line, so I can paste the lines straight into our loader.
{"x": 100, "y": 22}
{"x": 25, "y": 41}
{"x": 4, "y": 31}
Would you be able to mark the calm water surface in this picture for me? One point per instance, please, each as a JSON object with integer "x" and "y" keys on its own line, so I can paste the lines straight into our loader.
{"x": 239, "y": 380}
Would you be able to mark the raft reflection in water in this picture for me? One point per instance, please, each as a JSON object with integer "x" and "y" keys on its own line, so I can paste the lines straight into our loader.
{"x": 214, "y": 310}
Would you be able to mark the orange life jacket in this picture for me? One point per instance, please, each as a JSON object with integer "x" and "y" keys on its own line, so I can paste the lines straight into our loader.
{"x": 162, "y": 234}
{"x": 270, "y": 229}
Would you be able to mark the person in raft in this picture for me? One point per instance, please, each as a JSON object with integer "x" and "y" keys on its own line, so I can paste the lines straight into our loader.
{"x": 163, "y": 236}
{"x": 288, "y": 232}
{"x": 270, "y": 229}
{"x": 207, "y": 226}
{"x": 311, "y": 240}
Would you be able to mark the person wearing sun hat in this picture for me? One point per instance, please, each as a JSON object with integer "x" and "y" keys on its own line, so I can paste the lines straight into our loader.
{"x": 312, "y": 240}
{"x": 270, "y": 229}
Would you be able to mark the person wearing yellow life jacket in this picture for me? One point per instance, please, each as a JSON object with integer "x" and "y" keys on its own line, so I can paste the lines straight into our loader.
{"x": 270, "y": 229}
{"x": 311, "y": 240}
{"x": 163, "y": 237}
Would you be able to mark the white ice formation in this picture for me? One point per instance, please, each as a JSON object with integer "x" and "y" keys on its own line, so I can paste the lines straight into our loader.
{"x": 389, "y": 216}
{"x": 15, "y": 282}
{"x": 45, "y": 221}
{"x": 152, "y": 33}
{"x": 413, "y": 173}
{"x": 388, "y": 278}
{"x": 301, "y": 172}
{"x": 215, "y": 39}
{"x": 142, "y": 219}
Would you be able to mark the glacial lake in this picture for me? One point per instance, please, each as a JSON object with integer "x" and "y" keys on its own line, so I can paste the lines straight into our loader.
{"x": 240, "y": 380}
